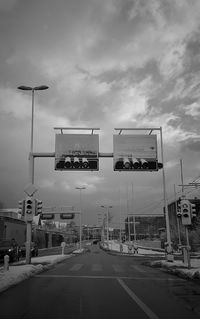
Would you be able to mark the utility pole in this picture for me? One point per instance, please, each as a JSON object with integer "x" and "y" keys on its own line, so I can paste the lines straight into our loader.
{"x": 187, "y": 248}
{"x": 177, "y": 219}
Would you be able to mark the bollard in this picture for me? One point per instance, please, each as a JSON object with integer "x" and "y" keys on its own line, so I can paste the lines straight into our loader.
{"x": 63, "y": 244}
{"x": 6, "y": 262}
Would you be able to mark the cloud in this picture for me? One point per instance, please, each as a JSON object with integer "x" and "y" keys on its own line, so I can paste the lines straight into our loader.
{"x": 14, "y": 104}
{"x": 6, "y": 5}
{"x": 46, "y": 183}
{"x": 193, "y": 109}
{"x": 92, "y": 183}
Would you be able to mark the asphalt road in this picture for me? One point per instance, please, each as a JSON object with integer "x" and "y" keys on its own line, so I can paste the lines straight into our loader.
{"x": 98, "y": 285}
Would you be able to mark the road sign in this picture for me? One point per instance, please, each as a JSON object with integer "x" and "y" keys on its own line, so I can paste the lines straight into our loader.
{"x": 47, "y": 216}
{"x": 135, "y": 153}
{"x": 67, "y": 215}
{"x": 30, "y": 189}
{"x": 77, "y": 152}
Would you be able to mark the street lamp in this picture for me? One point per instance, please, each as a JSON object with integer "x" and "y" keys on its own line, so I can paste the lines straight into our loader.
{"x": 107, "y": 212}
{"x": 80, "y": 189}
{"x": 31, "y": 166}
{"x": 32, "y": 89}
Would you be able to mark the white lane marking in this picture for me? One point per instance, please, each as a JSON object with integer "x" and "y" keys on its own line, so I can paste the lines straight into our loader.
{"x": 110, "y": 277}
{"x": 76, "y": 267}
{"x": 139, "y": 302}
{"x": 135, "y": 267}
{"x": 96, "y": 267}
{"x": 118, "y": 268}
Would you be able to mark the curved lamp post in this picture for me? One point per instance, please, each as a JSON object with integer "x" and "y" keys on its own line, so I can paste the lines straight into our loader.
{"x": 31, "y": 165}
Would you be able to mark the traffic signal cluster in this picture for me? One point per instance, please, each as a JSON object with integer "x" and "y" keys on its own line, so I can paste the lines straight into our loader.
{"x": 186, "y": 211}
{"x": 77, "y": 163}
{"x": 30, "y": 207}
{"x": 137, "y": 164}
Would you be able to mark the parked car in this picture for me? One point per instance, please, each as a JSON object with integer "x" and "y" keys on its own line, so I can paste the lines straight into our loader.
{"x": 9, "y": 247}
{"x": 34, "y": 250}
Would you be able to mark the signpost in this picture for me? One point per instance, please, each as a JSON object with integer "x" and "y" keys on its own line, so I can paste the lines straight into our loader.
{"x": 131, "y": 153}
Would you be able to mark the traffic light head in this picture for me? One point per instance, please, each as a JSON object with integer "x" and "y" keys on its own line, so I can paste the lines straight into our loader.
{"x": 193, "y": 210}
{"x": 38, "y": 207}
{"x": 179, "y": 214}
{"x": 29, "y": 208}
{"x": 21, "y": 207}
{"x": 178, "y": 208}
{"x": 136, "y": 164}
{"x": 77, "y": 163}
{"x": 185, "y": 212}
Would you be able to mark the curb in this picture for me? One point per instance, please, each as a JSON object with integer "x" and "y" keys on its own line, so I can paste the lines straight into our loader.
{"x": 118, "y": 253}
{"x": 36, "y": 269}
{"x": 174, "y": 270}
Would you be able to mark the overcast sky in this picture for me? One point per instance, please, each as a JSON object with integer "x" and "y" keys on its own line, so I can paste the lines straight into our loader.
{"x": 108, "y": 64}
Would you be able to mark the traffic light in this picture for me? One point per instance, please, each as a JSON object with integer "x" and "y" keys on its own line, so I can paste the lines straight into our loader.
{"x": 193, "y": 210}
{"x": 21, "y": 207}
{"x": 178, "y": 208}
{"x": 38, "y": 207}
{"x": 136, "y": 164}
{"x": 77, "y": 163}
{"x": 29, "y": 208}
{"x": 186, "y": 212}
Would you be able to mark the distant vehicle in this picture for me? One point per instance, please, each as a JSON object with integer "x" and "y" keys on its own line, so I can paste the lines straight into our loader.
{"x": 34, "y": 250}
{"x": 9, "y": 247}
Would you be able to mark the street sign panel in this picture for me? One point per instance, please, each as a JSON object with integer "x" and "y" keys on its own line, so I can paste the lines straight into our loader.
{"x": 135, "y": 153}
{"x": 77, "y": 152}
{"x": 47, "y": 216}
{"x": 67, "y": 215}
{"x": 30, "y": 189}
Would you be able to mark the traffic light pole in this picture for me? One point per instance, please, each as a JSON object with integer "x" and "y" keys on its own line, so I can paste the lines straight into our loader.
{"x": 186, "y": 227}
{"x": 29, "y": 223}
{"x": 165, "y": 201}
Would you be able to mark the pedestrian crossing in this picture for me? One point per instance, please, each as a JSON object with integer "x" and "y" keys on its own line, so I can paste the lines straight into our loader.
{"x": 117, "y": 268}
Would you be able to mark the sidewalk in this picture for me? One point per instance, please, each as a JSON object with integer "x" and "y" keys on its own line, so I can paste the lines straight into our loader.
{"x": 19, "y": 271}
{"x": 176, "y": 267}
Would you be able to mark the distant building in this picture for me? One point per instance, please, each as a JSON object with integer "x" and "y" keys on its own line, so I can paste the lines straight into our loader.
{"x": 146, "y": 227}
{"x": 11, "y": 225}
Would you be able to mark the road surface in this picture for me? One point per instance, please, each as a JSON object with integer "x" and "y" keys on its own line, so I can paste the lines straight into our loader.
{"x": 99, "y": 285}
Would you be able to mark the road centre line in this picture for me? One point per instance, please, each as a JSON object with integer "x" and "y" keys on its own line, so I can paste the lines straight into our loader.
{"x": 109, "y": 277}
{"x": 139, "y": 302}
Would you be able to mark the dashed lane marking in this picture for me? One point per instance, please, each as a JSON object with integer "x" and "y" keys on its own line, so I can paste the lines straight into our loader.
{"x": 76, "y": 267}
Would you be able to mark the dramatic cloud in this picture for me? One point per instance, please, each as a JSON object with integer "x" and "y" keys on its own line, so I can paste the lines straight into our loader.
{"x": 108, "y": 64}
